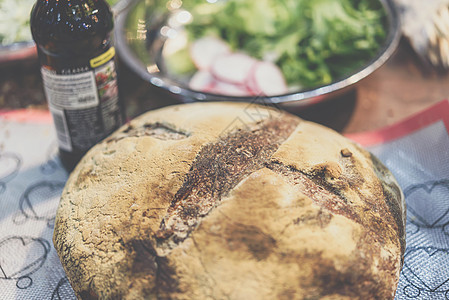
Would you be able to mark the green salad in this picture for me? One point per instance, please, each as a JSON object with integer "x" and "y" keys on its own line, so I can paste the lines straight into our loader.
{"x": 313, "y": 42}
{"x": 14, "y": 21}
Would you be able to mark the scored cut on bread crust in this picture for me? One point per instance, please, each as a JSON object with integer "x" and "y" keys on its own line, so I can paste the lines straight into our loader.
{"x": 230, "y": 201}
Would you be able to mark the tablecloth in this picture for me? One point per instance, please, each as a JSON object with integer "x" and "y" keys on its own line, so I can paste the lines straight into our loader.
{"x": 416, "y": 150}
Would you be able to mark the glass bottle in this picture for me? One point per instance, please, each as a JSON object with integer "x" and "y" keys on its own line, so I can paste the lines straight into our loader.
{"x": 76, "y": 55}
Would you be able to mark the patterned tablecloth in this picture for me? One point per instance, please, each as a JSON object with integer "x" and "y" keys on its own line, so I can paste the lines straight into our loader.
{"x": 31, "y": 180}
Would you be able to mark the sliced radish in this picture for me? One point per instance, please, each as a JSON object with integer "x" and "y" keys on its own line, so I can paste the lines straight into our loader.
{"x": 251, "y": 82}
{"x": 268, "y": 79}
{"x": 204, "y": 51}
{"x": 233, "y": 68}
{"x": 229, "y": 89}
{"x": 201, "y": 81}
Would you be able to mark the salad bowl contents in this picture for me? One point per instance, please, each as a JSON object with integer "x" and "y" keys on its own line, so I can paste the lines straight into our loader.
{"x": 289, "y": 50}
{"x": 15, "y": 35}
{"x": 220, "y": 71}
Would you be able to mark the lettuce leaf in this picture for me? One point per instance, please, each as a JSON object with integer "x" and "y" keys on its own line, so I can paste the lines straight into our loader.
{"x": 314, "y": 42}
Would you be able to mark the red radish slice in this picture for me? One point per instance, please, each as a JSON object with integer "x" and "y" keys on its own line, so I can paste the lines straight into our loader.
{"x": 229, "y": 89}
{"x": 204, "y": 51}
{"x": 251, "y": 82}
{"x": 268, "y": 79}
{"x": 201, "y": 81}
{"x": 233, "y": 68}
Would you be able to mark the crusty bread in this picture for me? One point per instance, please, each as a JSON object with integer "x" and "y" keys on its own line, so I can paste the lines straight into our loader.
{"x": 230, "y": 201}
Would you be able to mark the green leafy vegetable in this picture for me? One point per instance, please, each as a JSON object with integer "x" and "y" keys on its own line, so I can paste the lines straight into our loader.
{"x": 314, "y": 42}
{"x": 14, "y": 21}
{"x": 180, "y": 62}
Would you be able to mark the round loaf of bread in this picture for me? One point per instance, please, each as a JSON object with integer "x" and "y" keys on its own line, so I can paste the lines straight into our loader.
{"x": 230, "y": 201}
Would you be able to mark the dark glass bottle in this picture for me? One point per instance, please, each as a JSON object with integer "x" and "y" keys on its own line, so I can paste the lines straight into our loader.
{"x": 73, "y": 39}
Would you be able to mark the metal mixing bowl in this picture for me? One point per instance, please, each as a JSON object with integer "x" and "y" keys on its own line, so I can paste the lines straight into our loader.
{"x": 17, "y": 52}
{"x": 136, "y": 46}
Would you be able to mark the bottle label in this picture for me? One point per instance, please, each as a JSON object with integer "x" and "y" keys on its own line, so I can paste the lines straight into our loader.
{"x": 83, "y": 101}
{"x": 103, "y": 58}
{"x": 75, "y": 91}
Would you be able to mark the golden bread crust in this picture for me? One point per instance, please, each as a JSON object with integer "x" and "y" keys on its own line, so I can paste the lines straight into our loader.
{"x": 230, "y": 201}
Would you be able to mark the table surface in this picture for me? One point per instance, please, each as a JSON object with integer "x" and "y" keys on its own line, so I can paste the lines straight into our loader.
{"x": 400, "y": 88}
